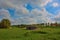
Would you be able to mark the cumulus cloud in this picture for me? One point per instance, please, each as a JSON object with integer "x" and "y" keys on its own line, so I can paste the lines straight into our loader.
{"x": 22, "y": 15}
{"x": 45, "y": 2}
{"x": 33, "y": 17}
{"x": 18, "y": 3}
{"x": 4, "y": 14}
{"x": 24, "y": 20}
{"x": 55, "y": 4}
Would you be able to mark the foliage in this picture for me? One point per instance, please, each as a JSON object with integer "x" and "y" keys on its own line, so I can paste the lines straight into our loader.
{"x": 5, "y": 23}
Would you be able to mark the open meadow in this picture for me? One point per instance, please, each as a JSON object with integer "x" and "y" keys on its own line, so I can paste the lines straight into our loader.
{"x": 23, "y": 34}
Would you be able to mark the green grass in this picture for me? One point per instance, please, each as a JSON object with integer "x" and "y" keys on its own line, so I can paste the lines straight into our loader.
{"x": 22, "y": 34}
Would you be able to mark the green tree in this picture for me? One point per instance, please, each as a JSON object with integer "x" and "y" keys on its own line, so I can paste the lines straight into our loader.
{"x": 5, "y": 23}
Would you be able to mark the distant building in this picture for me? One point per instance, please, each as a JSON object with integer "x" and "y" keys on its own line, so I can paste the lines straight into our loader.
{"x": 30, "y": 27}
{"x": 55, "y": 24}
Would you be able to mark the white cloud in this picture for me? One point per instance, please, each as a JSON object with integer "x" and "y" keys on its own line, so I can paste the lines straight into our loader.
{"x": 33, "y": 17}
{"x": 55, "y": 4}
{"x": 19, "y": 3}
{"x": 4, "y": 14}
{"x": 24, "y": 20}
{"x": 22, "y": 14}
{"x": 45, "y": 2}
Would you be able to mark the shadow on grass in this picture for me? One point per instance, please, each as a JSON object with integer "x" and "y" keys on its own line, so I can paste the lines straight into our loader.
{"x": 58, "y": 33}
{"x": 40, "y": 32}
{"x": 52, "y": 38}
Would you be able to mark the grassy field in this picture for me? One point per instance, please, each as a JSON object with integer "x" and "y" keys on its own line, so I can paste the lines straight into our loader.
{"x": 23, "y": 34}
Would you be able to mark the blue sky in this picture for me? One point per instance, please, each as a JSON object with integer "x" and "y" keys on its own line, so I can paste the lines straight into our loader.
{"x": 11, "y": 11}
{"x": 29, "y": 7}
{"x": 30, "y": 11}
{"x": 51, "y": 9}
